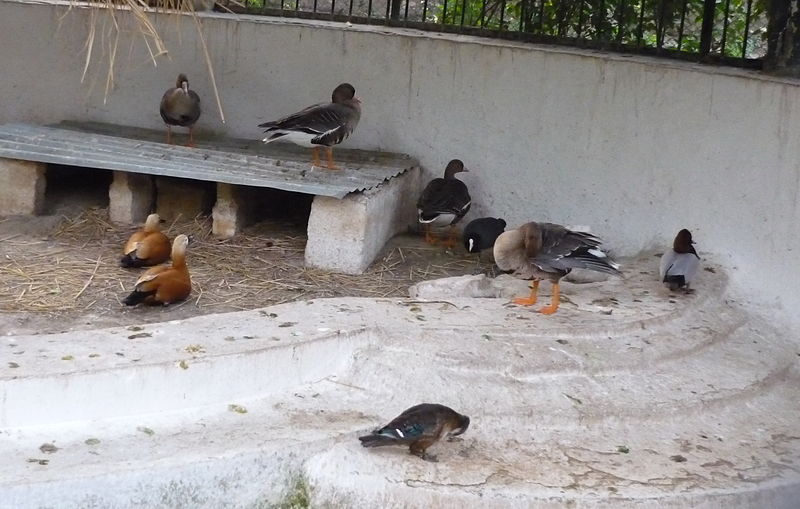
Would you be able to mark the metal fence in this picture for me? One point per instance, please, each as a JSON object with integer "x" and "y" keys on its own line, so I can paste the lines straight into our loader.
{"x": 720, "y": 31}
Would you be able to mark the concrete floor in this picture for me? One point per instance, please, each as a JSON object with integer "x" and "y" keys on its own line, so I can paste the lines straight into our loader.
{"x": 628, "y": 397}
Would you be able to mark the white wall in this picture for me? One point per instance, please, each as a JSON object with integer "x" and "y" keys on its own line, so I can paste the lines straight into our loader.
{"x": 635, "y": 147}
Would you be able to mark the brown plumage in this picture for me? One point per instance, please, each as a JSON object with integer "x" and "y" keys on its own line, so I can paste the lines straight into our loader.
{"x": 147, "y": 246}
{"x": 180, "y": 106}
{"x": 164, "y": 284}
{"x": 546, "y": 251}
{"x": 419, "y": 427}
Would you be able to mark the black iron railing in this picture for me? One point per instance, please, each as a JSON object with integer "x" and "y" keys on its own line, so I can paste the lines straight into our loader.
{"x": 719, "y": 31}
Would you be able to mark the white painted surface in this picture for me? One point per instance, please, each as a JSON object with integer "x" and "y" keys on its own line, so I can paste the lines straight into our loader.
{"x": 637, "y": 148}
{"x": 551, "y": 400}
{"x": 346, "y": 235}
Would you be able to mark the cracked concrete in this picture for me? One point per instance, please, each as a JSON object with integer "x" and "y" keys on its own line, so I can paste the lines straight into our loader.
{"x": 668, "y": 401}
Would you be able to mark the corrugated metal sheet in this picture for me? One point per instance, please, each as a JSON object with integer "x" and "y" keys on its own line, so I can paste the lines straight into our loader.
{"x": 241, "y": 162}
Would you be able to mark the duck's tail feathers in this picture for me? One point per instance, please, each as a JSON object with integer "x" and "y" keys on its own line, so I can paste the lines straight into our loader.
{"x": 375, "y": 440}
{"x": 591, "y": 258}
{"x": 130, "y": 260}
{"x": 675, "y": 282}
{"x": 137, "y": 297}
{"x": 274, "y": 136}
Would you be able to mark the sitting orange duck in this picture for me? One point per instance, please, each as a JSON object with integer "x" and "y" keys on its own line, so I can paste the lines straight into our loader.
{"x": 146, "y": 247}
{"x": 164, "y": 284}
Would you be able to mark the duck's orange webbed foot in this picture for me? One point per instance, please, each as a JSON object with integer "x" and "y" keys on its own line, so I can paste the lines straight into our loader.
{"x": 191, "y": 139}
{"x": 531, "y": 300}
{"x": 450, "y": 243}
{"x": 429, "y": 238}
{"x": 315, "y": 157}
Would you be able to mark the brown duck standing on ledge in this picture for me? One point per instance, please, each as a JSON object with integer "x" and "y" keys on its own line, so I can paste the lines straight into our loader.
{"x": 444, "y": 201}
{"x": 319, "y": 125}
{"x": 546, "y": 251}
{"x": 146, "y": 247}
{"x": 419, "y": 427}
{"x": 164, "y": 284}
{"x": 180, "y": 106}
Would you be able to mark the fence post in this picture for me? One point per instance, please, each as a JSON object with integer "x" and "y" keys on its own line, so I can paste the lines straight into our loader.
{"x": 707, "y": 29}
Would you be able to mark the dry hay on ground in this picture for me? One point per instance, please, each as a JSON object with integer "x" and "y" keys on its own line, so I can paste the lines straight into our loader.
{"x": 74, "y": 269}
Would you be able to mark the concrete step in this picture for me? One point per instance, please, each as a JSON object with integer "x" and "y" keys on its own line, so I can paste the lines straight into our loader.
{"x": 666, "y": 401}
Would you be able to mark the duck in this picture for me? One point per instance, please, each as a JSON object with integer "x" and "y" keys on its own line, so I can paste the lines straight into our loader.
{"x": 547, "y": 251}
{"x": 679, "y": 265}
{"x": 180, "y": 106}
{"x": 164, "y": 284}
{"x": 444, "y": 202}
{"x": 480, "y": 234}
{"x": 146, "y": 247}
{"x": 419, "y": 427}
{"x": 319, "y": 125}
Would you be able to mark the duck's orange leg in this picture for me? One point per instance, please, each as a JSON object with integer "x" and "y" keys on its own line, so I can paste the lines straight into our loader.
{"x": 429, "y": 238}
{"x": 191, "y": 137}
{"x": 331, "y": 165}
{"x": 315, "y": 157}
{"x": 451, "y": 238}
{"x": 529, "y": 301}
{"x": 169, "y": 135}
{"x": 554, "y": 301}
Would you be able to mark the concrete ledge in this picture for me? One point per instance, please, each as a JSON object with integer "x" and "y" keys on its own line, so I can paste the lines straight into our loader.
{"x": 131, "y": 197}
{"x": 345, "y": 235}
{"x": 22, "y": 187}
{"x": 233, "y": 209}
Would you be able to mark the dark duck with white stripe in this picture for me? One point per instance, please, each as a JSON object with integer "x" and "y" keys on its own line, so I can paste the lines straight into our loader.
{"x": 679, "y": 265}
{"x": 547, "y": 251}
{"x": 481, "y": 233}
{"x": 180, "y": 106}
{"x": 419, "y": 427}
{"x": 323, "y": 125}
{"x": 444, "y": 202}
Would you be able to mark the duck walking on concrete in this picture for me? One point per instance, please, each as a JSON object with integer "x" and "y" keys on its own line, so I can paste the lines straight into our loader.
{"x": 547, "y": 251}
{"x": 419, "y": 427}
{"x": 679, "y": 265}
{"x": 180, "y": 106}
{"x": 444, "y": 202}
{"x": 323, "y": 125}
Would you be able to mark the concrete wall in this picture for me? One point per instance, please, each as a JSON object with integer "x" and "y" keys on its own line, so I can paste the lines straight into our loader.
{"x": 635, "y": 147}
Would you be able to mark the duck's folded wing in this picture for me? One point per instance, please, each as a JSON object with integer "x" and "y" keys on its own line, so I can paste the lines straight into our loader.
{"x": 150, "y": 275}
{"x": 445, "y": 196}
{"x": 563, "y": 249}
{"x": 329, "y": 122}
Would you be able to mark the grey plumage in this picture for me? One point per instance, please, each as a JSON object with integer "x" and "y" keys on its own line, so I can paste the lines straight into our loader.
{"x": 679, "y": 265}
{"x": 325, "y": 124}
{"x": 547, "y": 251}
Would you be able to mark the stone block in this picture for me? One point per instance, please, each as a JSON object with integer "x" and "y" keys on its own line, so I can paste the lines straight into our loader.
{"x": 345, "y": 235}
{"x": 233, "y": 209}
{"x": 131, "y": 197}
{"x": 183, "y": 197}
{"x": 22, "y": 187}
